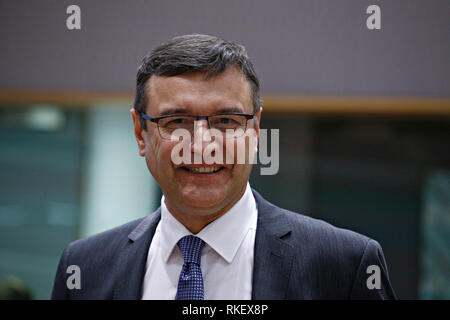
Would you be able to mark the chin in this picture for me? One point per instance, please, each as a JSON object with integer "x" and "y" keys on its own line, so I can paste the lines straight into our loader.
{"x": 205, "y": 197}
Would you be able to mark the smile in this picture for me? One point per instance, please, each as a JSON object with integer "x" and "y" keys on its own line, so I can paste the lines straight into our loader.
{"x": 203, "y": 169}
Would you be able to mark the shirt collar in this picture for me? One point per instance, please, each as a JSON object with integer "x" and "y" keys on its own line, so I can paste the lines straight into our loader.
{"x": 236, "y": 222}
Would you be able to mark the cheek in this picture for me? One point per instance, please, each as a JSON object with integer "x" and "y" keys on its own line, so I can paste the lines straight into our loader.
{"x": 157, "y": 155}
{"x": 241, "y": 151}
{"x": 241, "y": 164}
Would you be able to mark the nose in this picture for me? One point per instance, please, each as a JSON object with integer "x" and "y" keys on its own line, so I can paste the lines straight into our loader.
{"x": 199, "y": 128}
{"x": 199, "y": 135}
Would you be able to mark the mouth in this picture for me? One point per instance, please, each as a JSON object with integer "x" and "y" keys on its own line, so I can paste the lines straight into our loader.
{"x": 203, "y": 170}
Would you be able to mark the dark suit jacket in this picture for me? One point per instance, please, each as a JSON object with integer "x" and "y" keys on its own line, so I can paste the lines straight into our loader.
{"x": 296, "y": 257}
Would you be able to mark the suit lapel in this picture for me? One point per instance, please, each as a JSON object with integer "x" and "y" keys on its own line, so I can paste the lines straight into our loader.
{"x": 133, "y": 259}
{"x": 273, "y": 256}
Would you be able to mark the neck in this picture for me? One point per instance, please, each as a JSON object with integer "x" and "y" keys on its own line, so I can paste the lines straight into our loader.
{"x": 196, "y": 222}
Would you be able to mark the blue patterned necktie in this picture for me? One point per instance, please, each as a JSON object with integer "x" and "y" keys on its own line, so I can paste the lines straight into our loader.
{"x": 190, "y": 284}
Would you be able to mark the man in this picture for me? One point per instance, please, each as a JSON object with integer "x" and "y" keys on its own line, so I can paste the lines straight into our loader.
{"x": 213, "y": 236}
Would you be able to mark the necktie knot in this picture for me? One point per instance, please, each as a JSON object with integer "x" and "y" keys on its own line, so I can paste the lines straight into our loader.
{"x": 191, "y": 248}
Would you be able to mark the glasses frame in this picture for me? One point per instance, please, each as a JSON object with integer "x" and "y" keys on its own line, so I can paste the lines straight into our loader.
{"x": 156, "y": 119}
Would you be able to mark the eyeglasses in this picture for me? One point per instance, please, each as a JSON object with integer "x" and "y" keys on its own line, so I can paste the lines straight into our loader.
{"x": 232, "y": 125}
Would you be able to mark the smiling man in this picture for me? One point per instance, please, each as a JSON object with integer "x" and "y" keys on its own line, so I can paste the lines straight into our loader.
{"x": 214, "y": 237}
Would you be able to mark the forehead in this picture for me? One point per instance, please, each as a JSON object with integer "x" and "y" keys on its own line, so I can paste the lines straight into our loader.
{"x": 195, "y": 93}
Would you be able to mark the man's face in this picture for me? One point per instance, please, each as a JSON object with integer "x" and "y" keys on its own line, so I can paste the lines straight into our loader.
{"x": 186, "y": 191}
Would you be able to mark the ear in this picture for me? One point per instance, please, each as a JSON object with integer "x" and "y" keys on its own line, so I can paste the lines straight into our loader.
{"x": 258, "y": 116}
{"x": 138, "y": 132}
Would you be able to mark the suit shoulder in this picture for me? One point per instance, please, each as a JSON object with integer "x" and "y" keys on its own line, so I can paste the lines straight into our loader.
{"x": 338, "y": 250}
{"x": 323, "y": 239}
{"x": 309, "y": 230}
{"x": 104, "y": 240}
{"x": 331, "y": 260}
{"x": 317, "y": 227}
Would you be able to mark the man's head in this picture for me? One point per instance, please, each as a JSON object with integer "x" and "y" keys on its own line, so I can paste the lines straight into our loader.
{"x": 196, "y": 75}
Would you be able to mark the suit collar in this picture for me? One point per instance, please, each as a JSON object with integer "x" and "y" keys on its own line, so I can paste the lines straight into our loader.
{"x": 273, "y": 256}
{"x": 133, "y": 259}
{"x": 148, "y": 224}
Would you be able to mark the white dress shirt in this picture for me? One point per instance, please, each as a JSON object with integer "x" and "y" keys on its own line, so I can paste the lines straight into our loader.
{"x": 227, "y": 257}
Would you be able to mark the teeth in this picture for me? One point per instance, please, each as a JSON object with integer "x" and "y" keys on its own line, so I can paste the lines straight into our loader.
{"x": 204, "y": 169}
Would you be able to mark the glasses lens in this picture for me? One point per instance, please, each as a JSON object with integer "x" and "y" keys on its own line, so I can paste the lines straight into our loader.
{"x": 168, "y": 125}
{"x": 232, "y": 126}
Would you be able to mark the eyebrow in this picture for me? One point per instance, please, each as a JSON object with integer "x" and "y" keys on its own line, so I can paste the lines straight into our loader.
{"x": 175, "y": 110}
{"x": 233, "y": 109}
{"x": 178, "y": 110}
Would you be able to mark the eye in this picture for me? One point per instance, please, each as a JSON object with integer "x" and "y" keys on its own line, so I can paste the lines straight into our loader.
{"x": 177, "y": 121}
{"x": 224, "y": 120}
{"x": 227, "y": 121}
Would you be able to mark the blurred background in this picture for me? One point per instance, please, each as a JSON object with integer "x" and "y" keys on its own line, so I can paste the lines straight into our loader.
{"x": 364, "y": 120}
